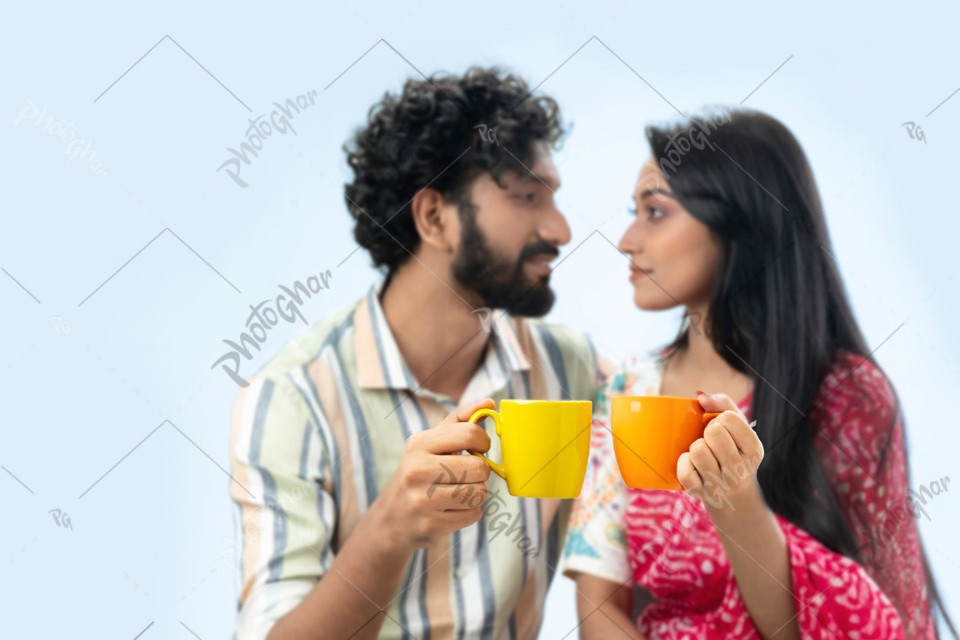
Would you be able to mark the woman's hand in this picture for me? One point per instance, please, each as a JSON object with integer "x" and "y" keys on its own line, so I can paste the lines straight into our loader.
{"x": 721, "y": 467}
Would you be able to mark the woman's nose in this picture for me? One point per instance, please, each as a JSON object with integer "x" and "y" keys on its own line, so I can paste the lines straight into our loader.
{"x": 630, "y": 241}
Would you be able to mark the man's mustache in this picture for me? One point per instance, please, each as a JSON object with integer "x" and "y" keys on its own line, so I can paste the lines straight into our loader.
{"x": 538, "y": 248}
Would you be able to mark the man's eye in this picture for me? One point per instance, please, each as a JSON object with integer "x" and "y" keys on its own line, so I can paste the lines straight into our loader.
{"x": 632, "y": 211}
{"x": 526, "y": 197}
{"x": 656, "y": 213}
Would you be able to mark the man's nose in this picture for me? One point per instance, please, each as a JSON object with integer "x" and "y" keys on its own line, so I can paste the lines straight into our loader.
{"x": 554, "y": 228}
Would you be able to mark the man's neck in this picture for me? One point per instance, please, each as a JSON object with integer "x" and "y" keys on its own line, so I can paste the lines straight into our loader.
{"x": 439, "y": 336}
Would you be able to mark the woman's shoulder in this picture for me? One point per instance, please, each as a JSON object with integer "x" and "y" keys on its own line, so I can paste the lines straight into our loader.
{"x": 856, "y": 411}
{"x": 854, "y": 381}
{"x": 635, "y": 376}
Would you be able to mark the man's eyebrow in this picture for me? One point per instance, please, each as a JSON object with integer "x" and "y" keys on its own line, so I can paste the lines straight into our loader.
{"x": 530, "y": 176}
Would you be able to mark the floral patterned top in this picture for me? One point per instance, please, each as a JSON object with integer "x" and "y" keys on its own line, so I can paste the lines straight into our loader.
{"x": 665, "y": 542}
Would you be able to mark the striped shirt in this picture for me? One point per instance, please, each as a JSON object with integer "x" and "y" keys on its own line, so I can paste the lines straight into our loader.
{"x": 319, "y": 432}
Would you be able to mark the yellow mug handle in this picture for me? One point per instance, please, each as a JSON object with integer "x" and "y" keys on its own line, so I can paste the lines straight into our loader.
{"x": 489, "y": 413}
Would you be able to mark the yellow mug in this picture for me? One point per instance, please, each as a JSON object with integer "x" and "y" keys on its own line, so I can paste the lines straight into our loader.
{"x": 545, "y": 445}
{"x": 649, "y": 435}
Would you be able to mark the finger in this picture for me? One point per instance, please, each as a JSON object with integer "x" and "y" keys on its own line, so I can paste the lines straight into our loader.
{"x": 463, "y": 412}
{"x": 458, "y": 497}
{"x": 722, "y": 445}
{"x": 459, "y": 469}
{"x": 687, "y": 473}
{"x": 704, "y": 461}
{"x": 452, "y": 438}
{"x": 460, "y": 518}
{"x": 716, "y": 402}
{"x": 746, "y": 439}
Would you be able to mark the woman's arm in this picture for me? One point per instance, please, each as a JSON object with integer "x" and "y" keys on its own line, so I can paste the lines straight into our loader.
{"x": 787, "y": 580}
{"x": 596, "y": 555}
{"x": 863, "y": 452}
{"x": 757, "y": 551}
{"x": 720, "y": 469}
{"x": 603, "y": 609}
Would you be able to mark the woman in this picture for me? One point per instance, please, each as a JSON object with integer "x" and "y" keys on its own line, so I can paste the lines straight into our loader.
{"x": 783, "y": 529}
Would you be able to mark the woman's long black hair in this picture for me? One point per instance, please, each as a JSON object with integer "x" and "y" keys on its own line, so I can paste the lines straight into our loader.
{"x": 778, "y": 310}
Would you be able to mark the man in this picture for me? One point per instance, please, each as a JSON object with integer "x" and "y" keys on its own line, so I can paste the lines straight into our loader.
{"x": 358, "y": 518}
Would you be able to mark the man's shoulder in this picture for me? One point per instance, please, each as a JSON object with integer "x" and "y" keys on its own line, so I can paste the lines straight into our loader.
{"x": 306, "y": 347}
{"x": 566, "y": 337}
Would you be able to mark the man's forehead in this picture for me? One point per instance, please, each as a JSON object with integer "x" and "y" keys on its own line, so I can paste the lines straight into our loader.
{"x": 542, "y": 169}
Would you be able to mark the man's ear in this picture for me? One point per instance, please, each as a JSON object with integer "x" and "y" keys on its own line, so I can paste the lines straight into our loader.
{"x": 430, "y": 212}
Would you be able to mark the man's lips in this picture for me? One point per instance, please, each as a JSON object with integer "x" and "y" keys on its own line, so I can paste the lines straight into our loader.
{"x": 541, "y": 262}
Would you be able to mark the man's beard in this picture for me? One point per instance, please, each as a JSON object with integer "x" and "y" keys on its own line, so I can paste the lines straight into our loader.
{"x": 500, "y": 282}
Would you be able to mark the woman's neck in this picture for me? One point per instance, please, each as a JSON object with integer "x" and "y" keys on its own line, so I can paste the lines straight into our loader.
{"x": 698, "y": 365}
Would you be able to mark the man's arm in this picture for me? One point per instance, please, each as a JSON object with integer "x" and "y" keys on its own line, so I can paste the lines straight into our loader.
{"x": 349, "y": 601}
{"x": 423, "y": 502}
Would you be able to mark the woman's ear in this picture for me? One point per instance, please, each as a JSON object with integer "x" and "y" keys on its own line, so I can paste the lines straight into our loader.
{"x": 430, "y": 212}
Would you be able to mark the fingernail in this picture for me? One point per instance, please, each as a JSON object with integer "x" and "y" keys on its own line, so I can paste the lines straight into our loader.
{"x": 704, "y": 393}
{"x": 753, "y": 424}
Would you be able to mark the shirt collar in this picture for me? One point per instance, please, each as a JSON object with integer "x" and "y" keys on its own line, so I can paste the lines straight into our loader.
{"x": 380, "y": 364}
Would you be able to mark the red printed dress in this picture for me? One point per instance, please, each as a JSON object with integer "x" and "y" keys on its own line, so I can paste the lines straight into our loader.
{"x": 664, "y": 541}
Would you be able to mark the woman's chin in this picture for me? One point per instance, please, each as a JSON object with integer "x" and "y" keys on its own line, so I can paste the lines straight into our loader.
{"x": 653, "y": 303}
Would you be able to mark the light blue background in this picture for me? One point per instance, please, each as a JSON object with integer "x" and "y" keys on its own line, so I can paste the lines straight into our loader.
{"x": 151, "y": 549}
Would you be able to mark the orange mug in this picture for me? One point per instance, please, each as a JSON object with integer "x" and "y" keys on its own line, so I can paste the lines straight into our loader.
{"x": 649, "y": 435}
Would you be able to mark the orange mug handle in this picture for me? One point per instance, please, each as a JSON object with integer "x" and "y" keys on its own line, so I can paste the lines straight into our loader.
{"x": 707, "y": 417}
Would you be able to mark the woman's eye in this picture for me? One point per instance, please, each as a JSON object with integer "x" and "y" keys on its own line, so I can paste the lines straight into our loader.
{"x": 656, "y": 213}
{"x": 525, "y": 197}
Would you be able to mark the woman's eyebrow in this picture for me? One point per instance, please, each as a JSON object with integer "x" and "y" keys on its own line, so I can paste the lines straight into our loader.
{"x": 646, "y": 193}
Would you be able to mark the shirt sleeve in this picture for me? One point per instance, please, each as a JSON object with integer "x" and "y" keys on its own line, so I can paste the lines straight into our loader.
{"x": 860, "y": 443}
{"x": 862, "y": 439}
{"x": 596, "y": 540}
{"x": 835, "y": 596}
{"x": 286, "y": 511}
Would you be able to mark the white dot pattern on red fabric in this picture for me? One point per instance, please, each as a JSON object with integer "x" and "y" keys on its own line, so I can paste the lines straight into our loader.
{"x": 686, "y": 570}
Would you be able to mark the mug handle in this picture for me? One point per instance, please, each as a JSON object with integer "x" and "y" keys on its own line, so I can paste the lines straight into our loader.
{"x": 475, "y": 418}
{"x": 707, "y": 417}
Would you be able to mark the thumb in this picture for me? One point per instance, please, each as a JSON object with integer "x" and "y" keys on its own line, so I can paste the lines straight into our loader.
{"x": 716, "y": 402}
{"x": 463, "y": 412}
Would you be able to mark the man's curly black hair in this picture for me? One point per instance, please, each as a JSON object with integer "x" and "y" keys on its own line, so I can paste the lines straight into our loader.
{"x": 431, "y": 136}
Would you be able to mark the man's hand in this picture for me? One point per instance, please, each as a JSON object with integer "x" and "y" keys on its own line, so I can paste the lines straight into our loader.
{"x": 434, "y": 491}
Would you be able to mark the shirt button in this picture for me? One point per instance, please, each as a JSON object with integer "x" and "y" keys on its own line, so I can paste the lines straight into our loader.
{"x": 461, "y": 572}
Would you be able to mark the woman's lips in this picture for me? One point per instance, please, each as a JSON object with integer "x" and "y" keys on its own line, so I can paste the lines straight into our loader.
{"x": 636, "y": 272}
